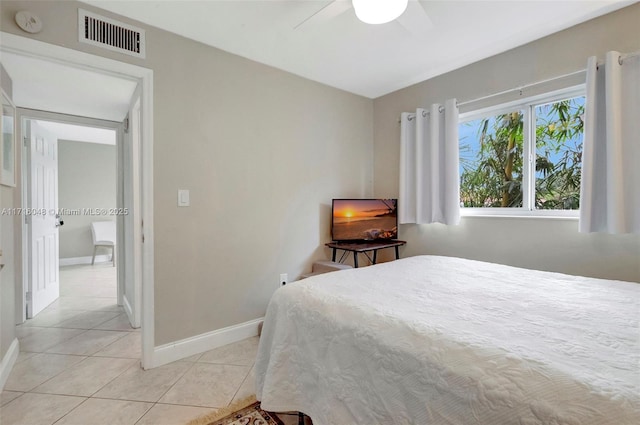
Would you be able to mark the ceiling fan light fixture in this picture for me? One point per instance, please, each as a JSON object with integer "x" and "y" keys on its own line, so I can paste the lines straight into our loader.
{"x": 379, "y": 11}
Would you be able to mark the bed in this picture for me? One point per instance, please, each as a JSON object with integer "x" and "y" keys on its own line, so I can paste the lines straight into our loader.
{"x": 442, "y": 340}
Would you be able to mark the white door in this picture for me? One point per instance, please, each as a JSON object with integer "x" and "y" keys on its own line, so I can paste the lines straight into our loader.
{"x": 130, "y": 253}
{"x": 44, "y": 277}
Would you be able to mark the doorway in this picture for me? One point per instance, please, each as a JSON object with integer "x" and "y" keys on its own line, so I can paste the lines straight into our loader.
{"x": 79, "y": 184}
{"x": 141, "y": 170}
{"x": 70, "y": 174}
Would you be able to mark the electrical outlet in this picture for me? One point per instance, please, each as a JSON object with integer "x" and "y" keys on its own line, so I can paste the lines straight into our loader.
{"x": 284, "y": 279}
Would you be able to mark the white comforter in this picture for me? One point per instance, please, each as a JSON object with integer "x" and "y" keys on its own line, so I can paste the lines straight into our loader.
{"x": 439, "y": 340}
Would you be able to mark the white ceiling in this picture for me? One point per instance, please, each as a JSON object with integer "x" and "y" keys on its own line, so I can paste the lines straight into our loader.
{"x": 78, "y": 133}
{"x": 335, "y": 48}
{"x": 55, "y": 87}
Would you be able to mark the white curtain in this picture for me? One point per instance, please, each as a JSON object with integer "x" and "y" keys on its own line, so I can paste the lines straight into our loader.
{"x": 610, "y": 186}
{"x": 429, "y": 176}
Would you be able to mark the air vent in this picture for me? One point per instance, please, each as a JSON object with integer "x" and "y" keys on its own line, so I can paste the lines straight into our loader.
{"x": 109, "y": 34}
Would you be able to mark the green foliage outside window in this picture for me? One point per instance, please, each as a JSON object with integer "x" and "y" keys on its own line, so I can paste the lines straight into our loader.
{"x": 559, "y": 129}
{"x": 492, "y": 154}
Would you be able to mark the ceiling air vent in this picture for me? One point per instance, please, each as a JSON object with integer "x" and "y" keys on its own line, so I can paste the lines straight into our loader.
{"x": 110, "y": 34}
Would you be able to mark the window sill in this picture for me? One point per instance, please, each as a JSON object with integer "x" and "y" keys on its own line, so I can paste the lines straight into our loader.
{"x": 516, "y": 213}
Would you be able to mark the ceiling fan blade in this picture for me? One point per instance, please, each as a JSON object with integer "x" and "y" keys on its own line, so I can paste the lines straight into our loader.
{"x": 329, "y": 11}
{"x": 415, "y": 20}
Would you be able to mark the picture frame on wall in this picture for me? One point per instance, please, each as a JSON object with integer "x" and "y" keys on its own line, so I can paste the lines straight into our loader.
{"x": 8, "y": 142}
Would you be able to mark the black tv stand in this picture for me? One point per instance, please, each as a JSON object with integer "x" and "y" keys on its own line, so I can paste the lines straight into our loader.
{"x": 363, "y": 247}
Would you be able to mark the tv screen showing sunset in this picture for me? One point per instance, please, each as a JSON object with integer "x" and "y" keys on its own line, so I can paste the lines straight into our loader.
{"x": 364, "y": 219}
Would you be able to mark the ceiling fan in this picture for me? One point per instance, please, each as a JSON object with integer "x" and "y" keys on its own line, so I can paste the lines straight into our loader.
{"x": 414, "y": 19}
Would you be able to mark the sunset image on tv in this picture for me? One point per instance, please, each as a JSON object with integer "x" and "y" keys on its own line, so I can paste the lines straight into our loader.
{"x": 364, "y": 219}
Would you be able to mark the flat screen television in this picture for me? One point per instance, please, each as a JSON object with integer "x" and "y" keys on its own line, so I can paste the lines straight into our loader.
{"x": 364, "y": 219}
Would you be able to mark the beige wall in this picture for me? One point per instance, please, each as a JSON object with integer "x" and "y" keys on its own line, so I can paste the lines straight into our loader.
{"x": 547, "y": 244}
{"x": 7, "y": 275}
{"x": 262, "y": 152}
{"x": 86, "y": 179}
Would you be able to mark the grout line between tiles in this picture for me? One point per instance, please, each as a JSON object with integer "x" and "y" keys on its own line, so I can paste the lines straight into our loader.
{"x": 94, "y": 352}
{"x": 240, "y": 386}
{"x": 64, "y": 340}
{"x": 11, "y": 401}
{"x": 145, "y": 413}
{"x": 177, "y": 380}
{"x": 63, "y": 370}
{"x": 61, "y": 417}
{"x": 116, "y": 377}
{"x": 124, "y": 334}
{"x": 191, "y": 405}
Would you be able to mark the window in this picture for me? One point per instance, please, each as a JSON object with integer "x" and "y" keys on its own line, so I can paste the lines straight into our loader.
{"x": 523, "y": 158}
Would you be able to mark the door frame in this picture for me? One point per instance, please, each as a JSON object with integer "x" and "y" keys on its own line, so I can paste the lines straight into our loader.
{"x": 129, "y": 254}
{"x": 144, "y": 78}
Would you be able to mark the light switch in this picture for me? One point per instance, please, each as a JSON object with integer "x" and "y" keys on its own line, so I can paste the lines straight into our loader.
{"x": 183, "y": 198}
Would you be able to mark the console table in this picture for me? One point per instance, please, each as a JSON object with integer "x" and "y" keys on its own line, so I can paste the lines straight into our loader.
{"x": 363, "y": 247}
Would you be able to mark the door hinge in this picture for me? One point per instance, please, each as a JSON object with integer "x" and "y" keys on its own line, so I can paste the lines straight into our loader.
{"x": 28, "y": 295}
{"x": 125, "y": 124}
{"x": 142, "y": 238}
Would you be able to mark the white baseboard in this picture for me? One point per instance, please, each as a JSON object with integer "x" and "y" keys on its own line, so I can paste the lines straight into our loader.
{"x": 72, "y": 261}
{"x": 168, "y": 353}
{"x": 7, "y": 362}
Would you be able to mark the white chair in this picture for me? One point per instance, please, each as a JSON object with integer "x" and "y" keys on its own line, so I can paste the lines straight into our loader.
{"x": 104, "y": 234}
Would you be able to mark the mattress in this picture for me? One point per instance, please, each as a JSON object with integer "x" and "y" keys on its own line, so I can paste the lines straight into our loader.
{"x": 442, "y": 340}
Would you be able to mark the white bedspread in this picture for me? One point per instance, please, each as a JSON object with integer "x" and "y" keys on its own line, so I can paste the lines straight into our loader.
{"x": 440, "y": 340}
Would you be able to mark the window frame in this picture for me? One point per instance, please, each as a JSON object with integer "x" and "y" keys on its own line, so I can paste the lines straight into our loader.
{"x": 528, "y": 106}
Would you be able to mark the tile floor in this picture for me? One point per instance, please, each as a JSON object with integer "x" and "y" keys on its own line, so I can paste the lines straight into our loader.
{"x": 79, "y": 364}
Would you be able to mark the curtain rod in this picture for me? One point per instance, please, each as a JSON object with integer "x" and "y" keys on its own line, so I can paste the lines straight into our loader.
{"x": 519, "y": 88}
{"x": 621, "y": 59}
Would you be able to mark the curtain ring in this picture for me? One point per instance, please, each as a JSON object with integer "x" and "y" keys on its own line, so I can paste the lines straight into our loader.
{"x": 424, "y": 113}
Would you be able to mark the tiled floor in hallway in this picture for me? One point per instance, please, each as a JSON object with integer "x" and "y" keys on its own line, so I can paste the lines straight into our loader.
{"x": 79, "y": 364}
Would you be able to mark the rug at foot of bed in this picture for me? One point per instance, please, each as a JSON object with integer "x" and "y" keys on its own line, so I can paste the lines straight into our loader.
{"x": 243, "y": 412}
